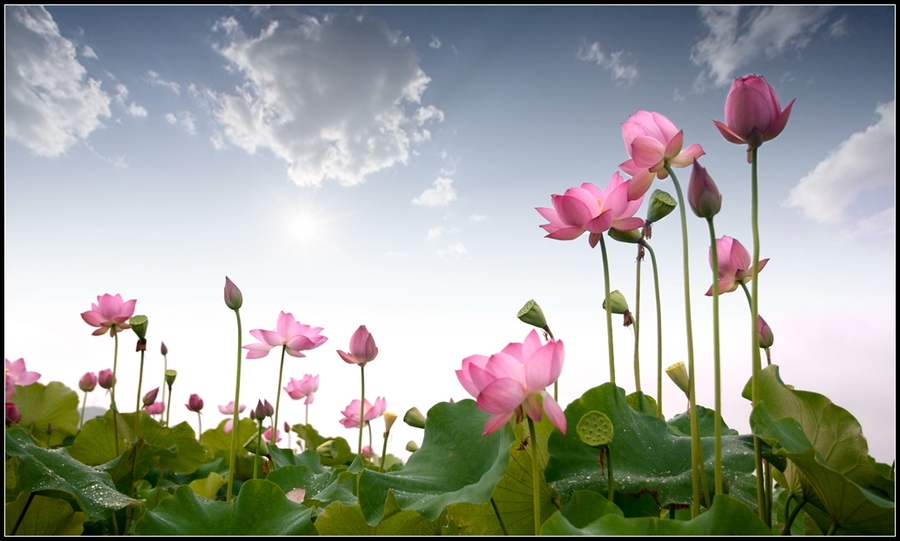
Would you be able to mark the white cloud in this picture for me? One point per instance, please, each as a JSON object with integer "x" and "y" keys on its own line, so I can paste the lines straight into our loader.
{"x": 155, "y": 80}
{"x": 442, "y": 194}
{"x": 621, "y": 72}
{"x": 88, "y": 52}
{"x": 132, "y": 108}
{"x": 739, "y": 35}
{"x": 838, "y": 28}
{"x": 435, "y": 233}
{"x": 50, "y": 102}
{"x": 185, "y": 120}
{"x": 477, "y": 218}
{"x": 864, "y": 162}
{"x": 453, "y": 251}
{"x": 435, "y": 42}
{"x": 337, "y": 97}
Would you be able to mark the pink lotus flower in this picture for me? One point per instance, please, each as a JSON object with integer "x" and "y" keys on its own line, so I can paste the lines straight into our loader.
{"x": 351, "y": 412}
{"x": 267, "y": 435}
{"x": 289, "y": 333}
{"x": 17, "y": 374}
{"x": 734, "y": 265}
{"x": 513, "y": 382}
{"x": 88, "y": 382}
{"x": 588, "y": 208}
{"x": 109, "y": 314}
{"x": 362, "y": 348}
{"x": 106, "y": 378}
{"x": 653, "y": 141}
{"x": 367, "y": 451}
{"x": 156, "y": 408}
{"x": 753, "y": 113}
{"x": 150, "y": 397}
{"x": 195, "y": 403}
{"x": 12, "y": 414}
{"x": 766, "y": 337}
{"x": 303, "y": 388}
{"x": 228, "y": 409}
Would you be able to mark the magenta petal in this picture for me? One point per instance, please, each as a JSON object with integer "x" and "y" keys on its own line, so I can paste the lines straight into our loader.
{"x": 572, "y": 210}
{"x": 673, "y": 147}
{"x": 565, "y": 233}
{"x": 728, "y": 134}
{"x": 647, "y": 151}
{"x": 554, "y": 412}
{"x": 777, "y": 126}
{"x": 501, "y": 396}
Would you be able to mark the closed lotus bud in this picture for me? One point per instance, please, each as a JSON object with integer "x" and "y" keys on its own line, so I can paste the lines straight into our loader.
{"x": 259, "y": 413}
{"x": 12, "y": 414}
{"x": 88, "y": 382}
{"x": 150, "y": 397}
{"x": 766, "y": 338}
{"x": 163, "y": 349}
{"x": 170, "y": 377}
{"x": 327, "y": 449}
{"x": 233, "y": 297}
{"x": 414, "y": 418}
{"x": 270, "y": 410}
{"x": 679, "y": 375}
{"x": 195, "y": 403}
{"x": 49, "y": 428}
{"x": 106, "y": 379}
{"x": 412, "y": 446}
{"x": 139, "y": 326}
{"x": 631, "y": 237}
{"x": 703, "y": 194}
{"x": 661, "y": 205}
{"x": 389, "y": 419}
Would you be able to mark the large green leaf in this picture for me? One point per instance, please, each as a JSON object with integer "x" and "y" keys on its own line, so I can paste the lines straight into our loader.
{"x": 341, "y": 519}
{"x": 52, "y": 472}
{"x": 648, "y": 457}
{"x": 727, "y": 516}
{"x": 851, "y": 507}
{"x": 52, "y": 404}
{"x": 260, "y": 509}
{"x": 455, "y": 464}
{"x": 45, "y": 516}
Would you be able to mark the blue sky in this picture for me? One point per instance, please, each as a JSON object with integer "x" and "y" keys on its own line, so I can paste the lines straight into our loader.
{"x": 381, "y": 166}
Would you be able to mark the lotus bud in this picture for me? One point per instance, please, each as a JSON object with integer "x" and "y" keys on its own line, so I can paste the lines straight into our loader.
{"x": 259, "y": 413}
{"x": 618, "y": 304}
{"x": 163, "y": 349}
{"x": 630, "y": 237}
{"x": 412, "y": 446}
{"x": 150, "y": 397}
{"x": 233, "y": 297}
{"x": 12, "y": 414}
{"x": 106, "y": 379}
{"x": 414, "y": 418}
{"x": 679, "y": 375}
{"x": 766, "y": 338}
{"x": 49, "y": 429}
{"x": 703, "y": 194}
{"x": 661, "y": 205}
{"x": 88, "y": 382}
{"x": 195, "y": 403}
{"x": 270, "y": 410}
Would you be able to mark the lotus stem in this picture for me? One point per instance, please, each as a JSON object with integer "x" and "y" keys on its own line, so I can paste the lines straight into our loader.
{"x": 609, "y": 333}
{"x": 234, "y": 422}
{"x": 714, "y": 258}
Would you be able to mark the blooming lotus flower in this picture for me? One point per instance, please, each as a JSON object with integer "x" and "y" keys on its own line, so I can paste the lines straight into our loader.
{"x": 110, "y": 314}
{"x": 228, "y": 409}
{"x": 290, "y": 333}
{"x": 106, "y": 379}
{"x": 303, "y": 388}
{"x": 753, "y": 113}
{"x": 362, "y": 348}
{"x": 653, "y": 141}
{"x": 734, "y": 264}
{"x": 267, "y": 435}
{"x": 88, "y": 382}
{"x": 17, "y": 374}
{"x": 195, "y": 403}
{"x": 351, "y": 412}
{"x": 512, "y": 382}
{"x": 588, "y": 208}
{"x": 156, "y": 408}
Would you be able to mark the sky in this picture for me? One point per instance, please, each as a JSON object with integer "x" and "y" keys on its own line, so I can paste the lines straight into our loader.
{"x": 382, "y": 166}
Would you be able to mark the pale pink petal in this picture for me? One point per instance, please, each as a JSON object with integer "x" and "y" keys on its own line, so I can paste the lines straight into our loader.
{"x": 647, "y": 151}
{"x": 532, "y": 407}
{"x": 673, "y": 146}
{"x": 572, "y": 210}
{"x": 554, "y": 412}
{"x": 687, "y": 156}
{"x": 496, "y": 422}
{"x": 502, "y": 396}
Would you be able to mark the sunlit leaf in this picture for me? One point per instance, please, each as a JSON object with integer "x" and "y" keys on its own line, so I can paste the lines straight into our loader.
{"x": 52, "y": 404}
{"x": 45, "y": 516}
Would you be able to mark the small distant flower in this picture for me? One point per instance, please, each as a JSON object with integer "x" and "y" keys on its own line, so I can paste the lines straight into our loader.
{"x": 233, "y": 297}
{"x": 17, "y": 374}
{"x": 268, "y": 408}
{"x": 12, "y": 414}
{"x": 653, "y": 141}
{"x": 195, "y": 403}
{"x": 362, "y": 348}
{"x": 367, "y": 451}
{"x": 351, "y": 412}
{"x": 163, "y": 349}
{"x": 88, "y": 382}
{"x": 267, "y": 435}
{"x": 303, "y": 388}
{"x": 297, "y": 495}
{"x": 150, "y": 397}
{"x": 155, "y": 408}
{"x": 734, "y": 264}
{"x": 106, "y": 379}
{"x": 290, "y": 333}
{"x": 512, "y": 382}
{"x": 110, "y": 314}
{"x": 753, "y": 113}
{"x": 228, "y": 409}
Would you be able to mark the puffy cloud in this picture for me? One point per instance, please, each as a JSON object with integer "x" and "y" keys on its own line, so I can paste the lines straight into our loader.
{"x": 435, "y": 42}
{"x": 88, "y": 52}
{"x": 132, "y": 108}
{"x": 621, "y": 72}
{"x": 865, "y": 161}
{"x": 442, "y": 194}
{"x": 453, "y": 251}
{"x": 50, "y": 102}
{"x": 155, "y": 80}
{"x": 186, "y": 120}
{"x": 435, "y": 233}
{"x": 739, "y": 35}
{"x": 337, "y": 97}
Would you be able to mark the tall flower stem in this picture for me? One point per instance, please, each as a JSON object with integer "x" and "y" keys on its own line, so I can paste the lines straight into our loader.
{"x": 83, "y": 405}
{"x": 137, "y": 405}
{"x": 362, "y": 406}
{"x": 535, "y": 472}
{"x": 637, "y": 327}
{"x": 714, "y": 258}
{"x": 696, "y": 456}
{"x": 659, "y": 347}
{"x": 169, "y": 410}
{"x": 762, "y": 497}
{"x": 163, "y": 388}
{"x": 278, "y": 391}
{"x": 609, "y": 333}
{"x": 234, "y": 423}
{"x": 112, "y": 391}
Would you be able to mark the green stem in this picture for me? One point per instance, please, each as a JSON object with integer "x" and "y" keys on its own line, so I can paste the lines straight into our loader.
{"x": 611, "y": 490}
{"x": 278, "y": 394}
{"x": 695, "y": 427}
{"x": 535, "y": 471}
{"x": 499, "y": 518}
{"x": 659, "y": 342}
{"x": 163, "y": 388}
{"x": 234, "y": 422}
{"x": 256, "y": 454}
{"x": 789, "y": 520}
{"x": 169, "y": 407}
{"x": 609, "y": 332}
{"x": 112, "y": 391}
{"x": 714, "y": 258}
{"x": 83, "y": 405}
{"x": 762, "y": 497}
{"x": 832, "y": 529}
{"x": 637, "y": 327}
{"x": 137, "y": 406}
{"x": 383, "y": 451}
{"x": 25, "y": 510}
{"x": 362, "y": 407}
{"x": 199, "y": 424}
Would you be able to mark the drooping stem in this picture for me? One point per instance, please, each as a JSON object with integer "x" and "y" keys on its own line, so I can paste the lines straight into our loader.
{"x": 535, "y": 472}
{"x": 362, "y": 406}
{"x": 278, "y": 391}
{"x": 659, "y": 347}
{"x": 696, "y": 459}
{"x": 637, "y": 327}
{"x": 714, "y": 258}
{"x": 234, "y": 422}
{"x": 606, "y": 301}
